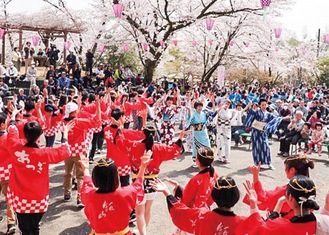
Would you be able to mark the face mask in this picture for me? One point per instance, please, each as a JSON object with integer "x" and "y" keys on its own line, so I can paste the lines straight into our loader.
{"x": 285, "y": 107}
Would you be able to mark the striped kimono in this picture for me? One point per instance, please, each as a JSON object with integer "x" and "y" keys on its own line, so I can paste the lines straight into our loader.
{"x": 261, "y": 151}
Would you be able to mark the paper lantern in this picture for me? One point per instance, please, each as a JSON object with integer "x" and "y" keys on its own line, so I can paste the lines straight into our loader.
{"x": 162, "y": 43}
{"x": 210, "y": 23}
{"x": 125, "y": 48}
{"x": 265, "y": 3}
{"x": 118, "y": 9}
{"x": 277, "y": 32}
{"x": 67, "y": 45}
{"x": 101, "y": 48}
{"x": 175, "y": 42}
{"x": 231, "y": 43}
{"x": 35, "y": 40}
{"x": 325, "y": 38}
{"x": 247, "y": 44}
{"x": 145, "y": 46}
{"x": 194, "y": 43}
{"x": 210, "y": 41}
{"x": 2, "y": 32}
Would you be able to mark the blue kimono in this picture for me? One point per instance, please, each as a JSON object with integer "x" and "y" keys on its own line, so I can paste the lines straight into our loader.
{"x": 200, "y": 133}
{"x": 261, "y": 151}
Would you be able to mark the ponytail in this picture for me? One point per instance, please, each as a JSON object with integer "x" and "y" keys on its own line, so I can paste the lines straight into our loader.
{"x": 149, "y": 141}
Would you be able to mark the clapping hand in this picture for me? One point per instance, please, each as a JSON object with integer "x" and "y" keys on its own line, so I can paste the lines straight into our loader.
{"x": 159, "y": 186}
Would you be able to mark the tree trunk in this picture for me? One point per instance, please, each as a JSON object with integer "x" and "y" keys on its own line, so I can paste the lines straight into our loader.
{"x": 149, "y": 69}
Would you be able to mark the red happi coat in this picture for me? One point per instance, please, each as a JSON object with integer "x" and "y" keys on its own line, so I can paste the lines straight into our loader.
{"x": 201, "y": 221}
{"x": 110, "y": 212}
{"x": 28, "y": 189}
{"x": 267, "y": 199}
{"x": 281, "y": 226}
{"x": 52, "y": 124}
{"x": 5, "y": 161}
{"x": 197, "y": 192}
{"x": 118, "y": 154}
{"x": 136, "y": 150}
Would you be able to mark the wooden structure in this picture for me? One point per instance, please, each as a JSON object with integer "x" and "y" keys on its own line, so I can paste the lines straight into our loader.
{"x": 46, "y": 34}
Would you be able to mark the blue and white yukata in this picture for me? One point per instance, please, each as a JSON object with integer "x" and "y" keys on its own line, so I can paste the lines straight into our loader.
{"x": 261, "y": 151}
{"x": 200, "y": 135}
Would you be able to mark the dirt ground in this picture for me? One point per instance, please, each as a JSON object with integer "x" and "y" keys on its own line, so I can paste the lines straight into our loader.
{"x": 63, "y": 218}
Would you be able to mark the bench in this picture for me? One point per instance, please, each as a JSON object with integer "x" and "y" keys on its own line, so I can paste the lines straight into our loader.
{"x": 247, "y": 135}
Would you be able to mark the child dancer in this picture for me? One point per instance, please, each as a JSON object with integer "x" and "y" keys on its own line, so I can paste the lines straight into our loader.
{"x": 108, "y": 205}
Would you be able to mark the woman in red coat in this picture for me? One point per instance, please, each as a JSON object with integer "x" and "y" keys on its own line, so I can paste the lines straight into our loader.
{"x": 108, "y": 205}
{"x": 197, "y": 192}
{"x": 161, "y": 152}
{"x": 202, "y": 221}
{"x": 267, "y": 199}
{"x": 300, "y": 196}
{"x": 28, "y": 189}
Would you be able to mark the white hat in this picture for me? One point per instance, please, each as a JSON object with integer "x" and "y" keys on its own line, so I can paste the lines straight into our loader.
{"x": 69, "y": 108}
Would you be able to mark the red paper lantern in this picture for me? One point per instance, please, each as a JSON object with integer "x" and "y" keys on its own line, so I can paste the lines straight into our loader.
{"x": 125, "y": 48}
{"x": 118, "y": 9}
{"x": 145, "y": 46}
{"x": 325, "y": 38}
{"x": 277, "y": 32}
{"x": 194, "y": 43}
{"x": 2, "y": 32}
{"x": 210, "y": 23}
{"x": 101, "y": 48}
{"x": 35, "y": 40}
{"x": 162, "y": 43}
{"x": 175, "y": 42}
{"x": 231, "y": 43}
{"x": 265, "y": 3}
{"x": 67, "y": 45}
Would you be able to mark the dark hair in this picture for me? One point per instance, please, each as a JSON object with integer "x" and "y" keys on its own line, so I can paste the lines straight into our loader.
{"x": 105, "y": 176}
{"x": 198, "y": 103}
{"x": 225, "y": 192}
{"x": 318, "y": 114}
{"x": 308, "y": 125}
{"x": 300, "y": 163}
{"x": 318, "y": 124}
{"x": 3, "y": 118}
{"x": 205, "y": 156}
{"x": 84, "y": 95}
{"x": 91, "y": 98}
{"x": 301, "y": 186}
{"x": 170, "y": 97}
{"x": 262, "y": 100}
{"x": 124, "y": 96}
{"x": 29, "y": 105}
{"x": 117, "y": 113}
{"x": 149, "y": 132}
{"x": 32, "y": 131}
{"x": 62, "y": 100}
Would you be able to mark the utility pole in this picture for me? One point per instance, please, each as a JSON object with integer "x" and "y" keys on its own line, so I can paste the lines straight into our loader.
{"x": 318, "y": 52}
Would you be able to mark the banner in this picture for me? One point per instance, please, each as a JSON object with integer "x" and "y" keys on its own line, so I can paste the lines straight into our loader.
{"x": 221, "y": 76}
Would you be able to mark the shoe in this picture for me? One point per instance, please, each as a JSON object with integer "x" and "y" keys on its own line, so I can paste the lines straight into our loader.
{"x": 67, "y": 198}
{"x": 98, "y": 151}
{"x": 79, "y": 204}
{"x": 270, "y": 166}
{"x": 236, "y": 145}
{"x": 225, "y": 161}
{"x": 11, "y": 229}
{"x": 280, "y": 153}
{"x": 1, "y": 218}
{"x": 285, "y": 154}
{"x": 91, "y": 160}
{"x": 133, "y": 218}
{"x": 309, "y": 152}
